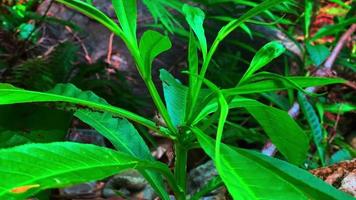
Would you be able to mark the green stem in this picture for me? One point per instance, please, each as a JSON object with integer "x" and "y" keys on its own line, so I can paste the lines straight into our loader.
{"x": 159, "y": 104}
{"x": 172, "y": 182}
{"x": 180, "y": 166}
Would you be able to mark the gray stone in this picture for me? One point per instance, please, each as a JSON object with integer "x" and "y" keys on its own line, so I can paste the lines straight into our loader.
{"x": 200, "y": 176}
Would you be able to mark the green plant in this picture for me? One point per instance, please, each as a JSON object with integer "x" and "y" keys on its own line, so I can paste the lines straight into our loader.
{"x": 190, "y": 114}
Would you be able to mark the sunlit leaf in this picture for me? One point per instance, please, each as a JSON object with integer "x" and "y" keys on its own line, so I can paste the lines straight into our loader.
{"x": 126, "y": 12}
{"x": 67, "y": 93}
{"x": 152, "y": 44}
{"x": 30, "y": 168}
{"x": 263, "y": 56}
{"x": 284, "y": 132}
{"x": 195, "y": 18}
{"x": 249, "y": 175}
{"x": 94, "y": 13}
{"x": 123, "y": 135}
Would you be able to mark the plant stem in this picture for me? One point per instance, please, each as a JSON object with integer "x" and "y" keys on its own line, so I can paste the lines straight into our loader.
{"x": 160, "y": 105}
{"x": 180, "y": 166}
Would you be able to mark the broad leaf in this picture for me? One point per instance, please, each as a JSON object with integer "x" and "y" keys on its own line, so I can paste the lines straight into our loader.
{"x": 175, "y": 95}
{"x": 152, "y": 44}
{"x": 314, "y": 123}
{"x": 318, "y": 53}
{"x": 249, "y": 175}
{"x": 126, "y": 12}
{"x": 94, "y": 13}
{"x": 30, "y": 168}
{"x": 67, "y": 93}
{"x": 263, "y": 56}
{"x": 284, "y": 132}
{"x": 195, "y": 18}
{"x": 123, "y": 135}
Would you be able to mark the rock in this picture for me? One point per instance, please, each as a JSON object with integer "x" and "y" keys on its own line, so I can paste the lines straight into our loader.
{"x": 129, "y": 185}
{"x": 146, "y": 194}
{"x": 200, "y": 176}
{"x": 348, "y": 184}
{"x": 341, "y": 175}
{"x": 84, "y": 188}
{"x": 130, "y": 180}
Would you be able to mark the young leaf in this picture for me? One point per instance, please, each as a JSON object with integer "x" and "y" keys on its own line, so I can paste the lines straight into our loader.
{"x": 126, "y": 12}
{"x": 159, "y": 11}
{"x": 225, "y": 31}
{"x": 175, "y": 95}
{"x": 60, "y": 164}
{"x": 284, "y": 132}
{"x": 263, "y": 56}
{"x": 308, "y": 13}
{"x": 120, "y": 132}
{"x": 318, "y": 53}
{"x": 94, "y": 13}
{"x": 314, "y": 123}
{"x": 152, "y": 44}
{"x": 123, "y": 135}
{"x": 290, "y": 182}
{"x": 193, "y": 60}
{"x": 195, "y": 18}
{"x": 71, "y": 94}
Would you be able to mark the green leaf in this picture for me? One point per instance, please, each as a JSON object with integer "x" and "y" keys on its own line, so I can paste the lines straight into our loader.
{"x": 318, "y": 53}
{"x": 263, "y": 56}
{"x": 11, "y": 139}
{"x": 120, "y": 132}
{"x": 314, "y": 123}
{"x": 175, "y": 95}
{"x": 94, "y": 13}
{"x": 333, "y": 29}
{"x": 195, "y": 18}
{"x": 339, "y": 107}
{"x": 249, "y": 175}
{"x": 193, "y": 62}
{"x": 213, "y": 184}
{"x": 341, "y": 155}
{"x": 152, "y": 44}
{"x": 39, "y": 124}
{"x": 71, "y": 94}
{"x": 284, "y": 132}
{"x": 159, "y": 9}
{"x": 308, "y": 13}
{"x": 271, "y": 85}
{"x": 30, "y": 168}
{"x": 126, "y": 12}
{"x": 123, "y": 135}
{"x": 225, "y": 31}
